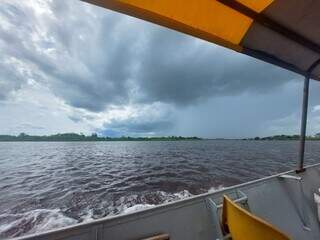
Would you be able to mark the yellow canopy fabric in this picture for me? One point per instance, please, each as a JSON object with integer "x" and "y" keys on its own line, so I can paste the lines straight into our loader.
{"x": 242, "y": 225}
{"x": 283, "y": 32}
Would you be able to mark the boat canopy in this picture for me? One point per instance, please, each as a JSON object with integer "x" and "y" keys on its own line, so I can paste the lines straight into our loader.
{"x": 282, "y": 32}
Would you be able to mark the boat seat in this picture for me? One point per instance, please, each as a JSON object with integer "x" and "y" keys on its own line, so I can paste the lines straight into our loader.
{"x": 158, "y": 237}
{"x": 243, "y": 225}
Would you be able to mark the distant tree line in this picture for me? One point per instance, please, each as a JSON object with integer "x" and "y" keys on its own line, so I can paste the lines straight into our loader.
{"x": 70, "y": 137}
{"x": 286, "y": 137}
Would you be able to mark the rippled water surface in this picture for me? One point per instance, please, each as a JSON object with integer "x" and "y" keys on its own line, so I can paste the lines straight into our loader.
{"x": 46, "y": 185}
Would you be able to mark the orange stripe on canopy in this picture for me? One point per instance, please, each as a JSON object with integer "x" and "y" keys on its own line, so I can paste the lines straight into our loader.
{"x": 206, "y": 19}
{"x": 256, "y": 5}
{"x": 284, "y": 33}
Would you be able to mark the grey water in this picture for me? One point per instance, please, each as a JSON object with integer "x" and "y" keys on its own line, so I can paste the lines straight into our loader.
{"x": 47, "y": 185}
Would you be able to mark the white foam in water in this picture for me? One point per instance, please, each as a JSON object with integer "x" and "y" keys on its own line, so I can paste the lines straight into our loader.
{"x": 183, "y": 194}
{"x": 54, "y": 219}
{"x": 214, "y": 189}
{"x": 88, "y": 217}
{"x": 137, "y": 207}
{"x": 40, "y": 220}
{"x": 168, "y": 197}
{"x": 34, "y": 221}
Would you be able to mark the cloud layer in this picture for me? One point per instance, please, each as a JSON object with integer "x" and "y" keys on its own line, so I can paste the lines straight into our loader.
{"x": 95, "y": 61}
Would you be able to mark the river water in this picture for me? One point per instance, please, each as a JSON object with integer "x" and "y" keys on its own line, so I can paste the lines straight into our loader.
{"x": 47, "y": 185}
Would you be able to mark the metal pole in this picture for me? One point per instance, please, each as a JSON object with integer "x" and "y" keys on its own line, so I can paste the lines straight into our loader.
{"x": 303, "y": 123}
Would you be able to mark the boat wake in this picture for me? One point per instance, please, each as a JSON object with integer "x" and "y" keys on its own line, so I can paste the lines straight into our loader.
{"x": 40, "y": 220}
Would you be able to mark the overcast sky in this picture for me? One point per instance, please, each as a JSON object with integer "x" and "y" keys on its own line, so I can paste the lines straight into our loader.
{"x": 67, "y": 66}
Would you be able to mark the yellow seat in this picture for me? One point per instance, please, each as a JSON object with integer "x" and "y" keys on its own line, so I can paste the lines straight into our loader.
{"x": 243, "y": 225}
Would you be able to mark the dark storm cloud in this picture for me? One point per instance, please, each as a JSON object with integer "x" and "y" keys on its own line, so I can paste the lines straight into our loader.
{"x": 137, "y": 127}
{"x": 10, "y": 80}
{"x": 13, "y": 70}
{"x": 175, "y": 69}
{"x": 92, "y": 58}
{"x": 81, "y": 55}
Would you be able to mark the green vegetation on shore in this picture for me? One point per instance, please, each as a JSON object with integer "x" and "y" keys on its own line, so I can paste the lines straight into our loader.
{"x": 285, "y": 137}
{"x": 70, "y": 137}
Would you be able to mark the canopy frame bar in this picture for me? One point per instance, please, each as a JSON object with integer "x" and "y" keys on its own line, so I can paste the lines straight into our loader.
{"x": 271, "y": 24}
{"x": 274, "y": 60}
{"x": 303, "y": 124}
{"x": 304, "y": 116}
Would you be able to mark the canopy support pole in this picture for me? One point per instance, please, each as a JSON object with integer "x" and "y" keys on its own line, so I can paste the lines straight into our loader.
{"x": 303, "y": 123}
{"x": 304, "y": 116}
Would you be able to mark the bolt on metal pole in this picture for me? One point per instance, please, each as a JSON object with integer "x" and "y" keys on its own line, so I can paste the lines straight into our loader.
{"x": 303, "y": 123}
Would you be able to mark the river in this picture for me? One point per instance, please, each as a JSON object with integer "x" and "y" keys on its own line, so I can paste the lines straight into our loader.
{"x": 47, "y": 185}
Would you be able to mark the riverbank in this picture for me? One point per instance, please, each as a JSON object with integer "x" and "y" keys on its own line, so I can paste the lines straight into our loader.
{"x": 284, "y": 137}
{"x": 74, "y": 137}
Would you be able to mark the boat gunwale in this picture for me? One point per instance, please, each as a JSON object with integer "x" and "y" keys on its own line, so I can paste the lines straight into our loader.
{"x": 165, "y": 207}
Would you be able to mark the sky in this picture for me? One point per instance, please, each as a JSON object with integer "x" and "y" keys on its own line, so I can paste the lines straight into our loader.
{"x": 68, "y": 66}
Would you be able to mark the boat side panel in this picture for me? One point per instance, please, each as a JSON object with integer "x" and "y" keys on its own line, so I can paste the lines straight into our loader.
{"x": 190, "y": 222}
